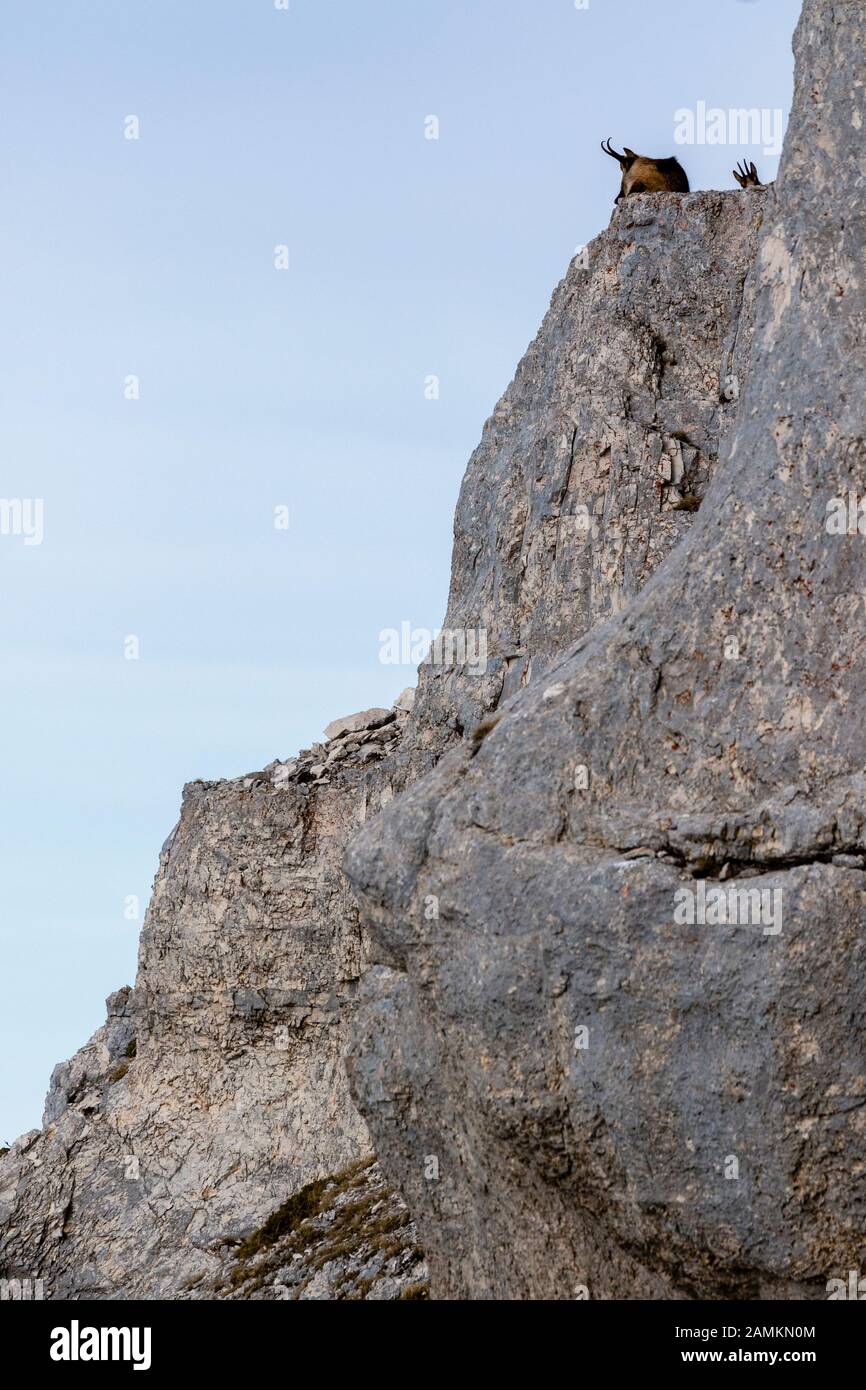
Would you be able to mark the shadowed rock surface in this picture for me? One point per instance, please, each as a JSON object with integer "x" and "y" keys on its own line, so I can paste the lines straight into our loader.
{"x": 217, "y": 1088}
{"x": 617, "y": 1098}
{"x": 556, "y": 1074}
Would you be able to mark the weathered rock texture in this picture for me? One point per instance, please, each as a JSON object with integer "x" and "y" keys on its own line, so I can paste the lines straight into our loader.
{"x": 616, "y": 1100}
{"x": 216, "y": 1088}
{"x": 556, "y": 1074}
{"x": 347, "y": 1236}
{"x": 594, "y": 460}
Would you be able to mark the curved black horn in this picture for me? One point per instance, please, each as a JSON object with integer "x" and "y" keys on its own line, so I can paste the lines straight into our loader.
{"x": 609, "y": 149}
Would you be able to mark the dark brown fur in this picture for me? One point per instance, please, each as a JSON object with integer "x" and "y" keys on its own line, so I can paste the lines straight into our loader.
{"x": 641, "y": 175}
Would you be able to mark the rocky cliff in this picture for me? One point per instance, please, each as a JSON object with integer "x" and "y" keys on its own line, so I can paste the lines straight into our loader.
{"x": 566, "y": 1088}
{"x": 216, "y": 1089}
{"x": 615, "y": 1039}
{"x": 596, "y": 458}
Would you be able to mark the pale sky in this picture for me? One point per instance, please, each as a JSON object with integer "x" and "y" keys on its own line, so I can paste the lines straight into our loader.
{"x": 261, "y": 387}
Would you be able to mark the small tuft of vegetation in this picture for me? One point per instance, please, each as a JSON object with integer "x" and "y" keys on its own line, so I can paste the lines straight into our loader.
{"x": 285, "y": 1220}
{"x": 335, "y": 1218}
{"x": 484, "y": 728}
{"x": 119, "y": 1072}
{"x": 421, "y": 1290}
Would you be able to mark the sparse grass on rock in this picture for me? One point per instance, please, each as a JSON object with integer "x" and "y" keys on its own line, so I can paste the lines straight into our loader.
{"x": 345, "y": 1237}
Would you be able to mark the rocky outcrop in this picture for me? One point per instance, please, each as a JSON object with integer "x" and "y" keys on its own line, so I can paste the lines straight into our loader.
{"x": 591, "y": 1059}
{"x": 347, "y": 1237}
{"x": 614, "y": 1040}
{"x": 216, "y": 1089}
{"x": 598, "y": 456}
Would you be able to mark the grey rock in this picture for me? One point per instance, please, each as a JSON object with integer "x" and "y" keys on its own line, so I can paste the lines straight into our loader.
{"x": 563, "y": 515}
{"x": 550, "y": 1065}
{"x": 150, "y": 1164}
{"x": 354, "y": 1239}
{"x": 386, "y": 734}
{"x": 78, "y": 1081}
{"x": 684, "y": 1117}
{"x": 355, "y": 723}
{"x": 405, "y": 700}
{"x": 169, "y": 840}
{"x": 215, "y": 1089}
{"x": 283, "y": 772}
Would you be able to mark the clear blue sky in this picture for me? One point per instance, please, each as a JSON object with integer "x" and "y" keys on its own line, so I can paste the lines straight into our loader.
{"x": 260, "y": 387}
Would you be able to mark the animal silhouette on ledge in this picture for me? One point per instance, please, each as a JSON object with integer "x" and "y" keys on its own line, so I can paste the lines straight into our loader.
{"x": 747, "y": 176}
{"x": 643, "y": 175}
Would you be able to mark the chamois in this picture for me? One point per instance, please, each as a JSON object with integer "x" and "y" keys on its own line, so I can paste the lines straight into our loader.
{"x": 640, "y": 175}
{"x": 747, "y": 175}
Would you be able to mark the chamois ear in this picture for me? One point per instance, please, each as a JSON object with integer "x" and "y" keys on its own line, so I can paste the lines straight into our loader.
{"x": 747, "y": 175}
{"x": 625, "y": 160}
{"x": 741, "y": 173}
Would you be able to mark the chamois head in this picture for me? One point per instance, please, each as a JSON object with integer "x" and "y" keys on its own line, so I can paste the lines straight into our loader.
{"x": 747, "y": 175}
{"x": 640, "y": 175}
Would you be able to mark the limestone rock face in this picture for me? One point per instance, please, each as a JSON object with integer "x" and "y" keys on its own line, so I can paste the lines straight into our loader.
{"x": 606, "y": 986}
{"x": 216, "y": 1088}
{"x": 592, "y": 465}
{"x": 625, "y": 1089}
{"x": 347, "y": 1236}
{"x": 358, "y": 723}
